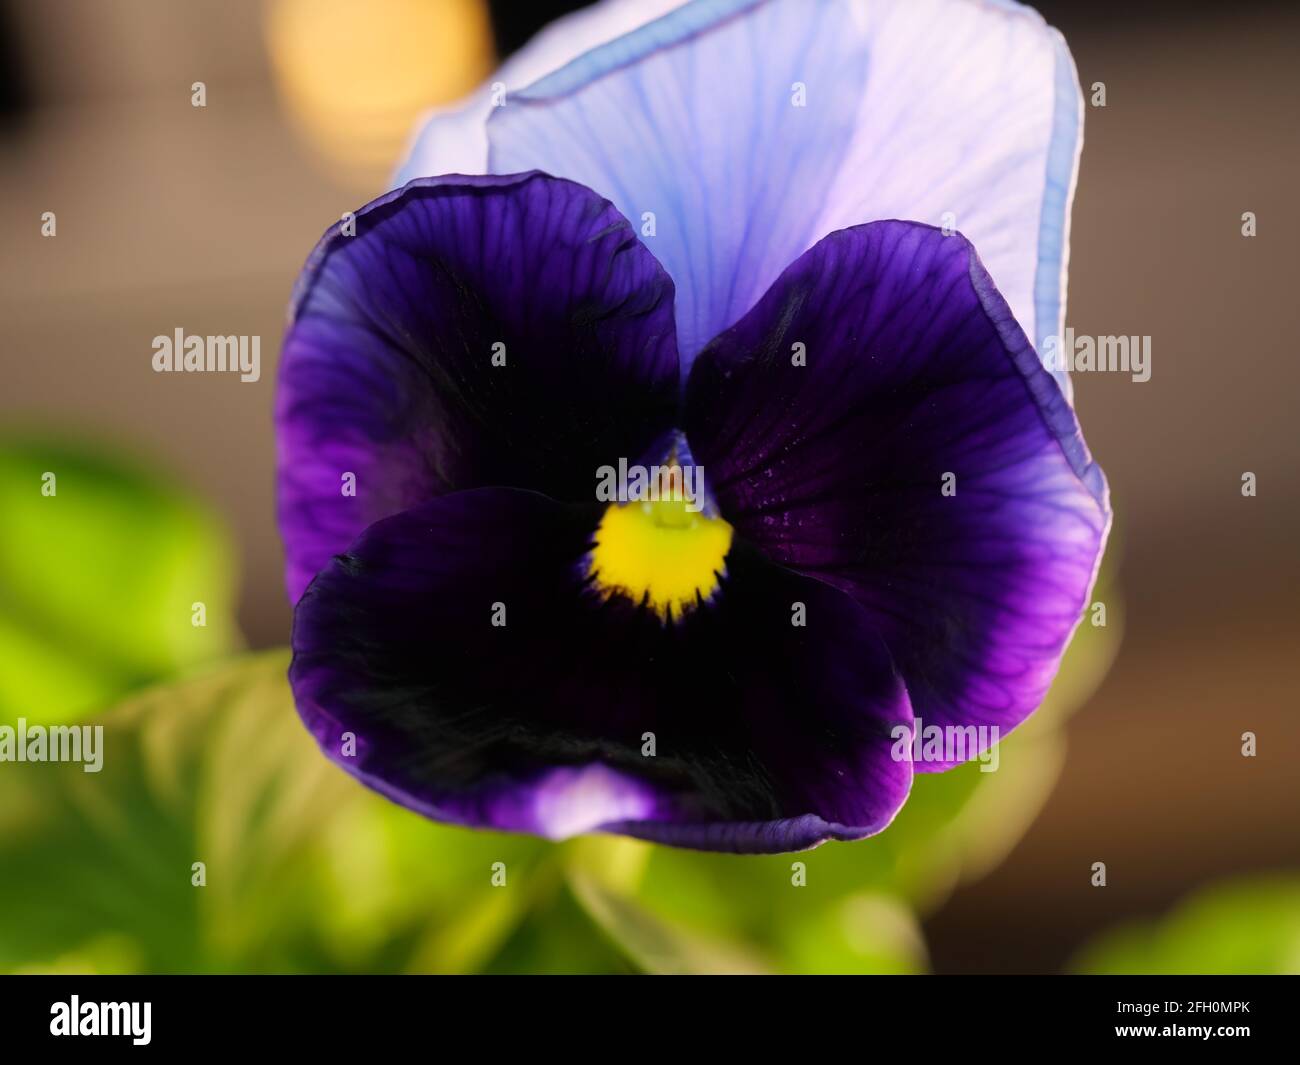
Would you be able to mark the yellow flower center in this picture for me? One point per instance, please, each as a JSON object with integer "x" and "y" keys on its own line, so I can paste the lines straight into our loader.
{"x": 662, "y": 553}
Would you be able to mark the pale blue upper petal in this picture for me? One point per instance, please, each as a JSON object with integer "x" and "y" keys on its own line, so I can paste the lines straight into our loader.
{"x": 453, "y": 140}
{"x": 959, "y": 112}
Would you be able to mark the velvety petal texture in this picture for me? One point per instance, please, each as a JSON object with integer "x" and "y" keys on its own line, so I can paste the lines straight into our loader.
{"x": 466, "y": 331}
{"x": 488, "y": 683}
{"x": 737, "y": 133}
{"x": 880, "y": 421}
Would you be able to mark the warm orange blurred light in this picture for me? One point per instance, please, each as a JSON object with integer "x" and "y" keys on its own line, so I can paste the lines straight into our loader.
{"x": 355, "y": 74}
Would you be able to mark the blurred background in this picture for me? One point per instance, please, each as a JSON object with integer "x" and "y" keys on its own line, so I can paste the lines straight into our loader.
{"x": 172, "y": 216}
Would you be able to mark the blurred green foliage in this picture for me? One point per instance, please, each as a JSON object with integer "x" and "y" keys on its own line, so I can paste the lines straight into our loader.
{"x": 303, "y": 869}
{"x": 101, "y": 562}
{"x": 1246, "y": 926}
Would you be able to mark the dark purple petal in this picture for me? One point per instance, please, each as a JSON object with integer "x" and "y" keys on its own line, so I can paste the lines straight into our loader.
{"x": 387, "y": 371}
{"x": 769, "y": 736}
{"x": 915, "y": 368}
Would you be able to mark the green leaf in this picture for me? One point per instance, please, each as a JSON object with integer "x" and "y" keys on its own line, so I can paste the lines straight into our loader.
{"x": 1239, "y": 927}
{"x": 860, "y": 933}
{"x": 305, "y": 869}
{"x": 656, "y": 945}
{"x": 100, "y": 564}
{"x": 216, "y": 770}
{"x": 397, "y": 892}
{"x": 559, "y": 937}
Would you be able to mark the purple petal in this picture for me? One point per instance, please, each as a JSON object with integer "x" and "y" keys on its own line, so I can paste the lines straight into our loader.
{"x": 769, "y": 736}
{"x": 915, "y": 369}
{"x": 391, "y": 370}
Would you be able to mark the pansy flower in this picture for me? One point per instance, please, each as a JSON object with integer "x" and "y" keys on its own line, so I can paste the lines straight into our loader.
{"x": 801, "y": 249}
